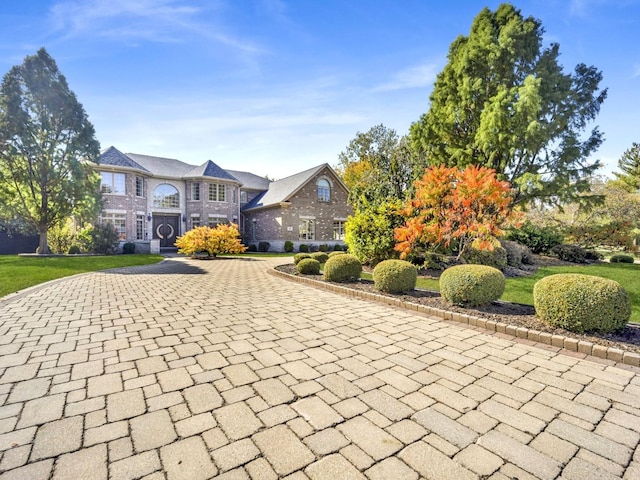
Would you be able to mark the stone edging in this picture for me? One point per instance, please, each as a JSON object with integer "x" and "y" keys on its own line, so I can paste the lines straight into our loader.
{"x": 558, "y": 341}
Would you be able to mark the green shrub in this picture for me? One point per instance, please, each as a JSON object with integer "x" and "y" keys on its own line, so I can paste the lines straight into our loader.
{"x": 621, "y": 258}
{"x": 308, "y": 266}
{"x": 303, "y": 248}
{"x": 264, "y": 246}
{"x": 395, "y": 276}
{"x": 60, "y": 237}
{"x": 300, "y": 256}
{"x": 336, "y": 252}
{"x": 288, "y": 246}
{"x": 252, "y": 248}
{"x": 102, "y": 239}
{"x": 129, "y": 248}
{"x": 435, "y": 261}
{"x": 471, "y": 285}
{"x": 593, "y": 255}
{"x": 337, "y": 248}
{"x": 323, "y": 248}
{"x": 342, "y": 268}
{"x": 320, "y": 256}
{"x": 74, "y": 250}
{"x": 581, "y": 303}
{"x": 570, "y": 253}
{"x": 496, "y": 258}
{"x": 538, "y": 239}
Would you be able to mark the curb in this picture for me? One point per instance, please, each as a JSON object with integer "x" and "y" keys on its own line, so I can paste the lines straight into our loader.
{"x": 559, "y": 341}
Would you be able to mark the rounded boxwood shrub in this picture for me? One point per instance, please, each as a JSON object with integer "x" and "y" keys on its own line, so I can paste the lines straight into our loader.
{"x": 342, "y": 268}
{"x": 320, "y": 256}
{"x": 288, "y": 246}
{"x": 336, "y": 252}
{"x": 264, "y": 246}
{"x": 471, "y": 285}
{"x": 621, "y": 258}
{"x": 300, "y": 256}
{"x": 74, "y": 250}
{"x": 303, "y": 248}
{"x": 337, "y": 248}
{"x": 581, "y": 303}
{"x": 570, "y": 253}
{"x": 129, "y": 248}
{"x": 308, "y": 266}
{"x": 395, "y": 276}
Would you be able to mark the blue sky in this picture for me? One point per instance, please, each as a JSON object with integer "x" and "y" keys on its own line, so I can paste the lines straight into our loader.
{"x": 275, "y": 86}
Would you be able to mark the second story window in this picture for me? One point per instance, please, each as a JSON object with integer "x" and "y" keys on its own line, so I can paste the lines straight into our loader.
{"x": 139, "y": 187}
{"x": 113, "y": 183}
{"x": 195, "y": 191}
{"x": 166, "y": 196}
{"x": 217, "y": 192}
{"x": 324, "y": 190}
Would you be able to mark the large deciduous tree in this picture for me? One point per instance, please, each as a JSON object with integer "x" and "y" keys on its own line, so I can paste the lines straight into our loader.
{"x": 376, "y": 166}
{"x": 504, "y": 102}
{"x": 46, "y": 146}
{"x": 453, "y": 204}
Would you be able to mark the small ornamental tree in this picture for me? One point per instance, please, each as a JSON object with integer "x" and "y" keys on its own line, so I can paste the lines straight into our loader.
{"x": 213, "y": 241}
{"x": 452, "y": 204}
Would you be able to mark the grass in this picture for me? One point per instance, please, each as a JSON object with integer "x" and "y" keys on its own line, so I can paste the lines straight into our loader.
{"x": 520, "y": 289}
{"x": 17, "y": 272}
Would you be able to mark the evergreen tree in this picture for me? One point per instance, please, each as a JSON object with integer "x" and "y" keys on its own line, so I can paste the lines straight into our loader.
{"x": 46, "y": 144}
{"x": 504, "y": 102}
{"x": 629, "y": 164}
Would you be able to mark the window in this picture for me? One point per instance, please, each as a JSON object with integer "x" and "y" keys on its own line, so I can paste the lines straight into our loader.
{"x": 217, "y": 192}
{"x": 234, "y": 195}
{"x": 307, "y": 229}
{"x": 118, "y": 220}
{"x": 112, "y": 183}
{"x": 166, "y": 196}
{"x": 338, "y": 229}
{"x": 195, "y": 221}
{"x": 139, "y": 227}
{"x": 195, "y": 191}
{"x": 243, "y": 196}
{"x": 139, "y": 187}
{"x": 324, "y": 190}
{"x": 215, "y": 220}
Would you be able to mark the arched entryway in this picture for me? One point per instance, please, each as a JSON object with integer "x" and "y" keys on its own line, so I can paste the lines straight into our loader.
{"x": 166, "y": 229}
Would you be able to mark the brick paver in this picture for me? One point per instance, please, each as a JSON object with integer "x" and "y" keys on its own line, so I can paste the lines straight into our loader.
{"x": 195, "y": 370}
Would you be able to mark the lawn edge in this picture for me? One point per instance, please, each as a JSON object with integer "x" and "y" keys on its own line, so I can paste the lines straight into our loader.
{"x": 572, "y": 346}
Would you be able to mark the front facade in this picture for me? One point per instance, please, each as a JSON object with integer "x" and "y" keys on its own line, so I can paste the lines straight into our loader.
{"x": 152, "y": 200}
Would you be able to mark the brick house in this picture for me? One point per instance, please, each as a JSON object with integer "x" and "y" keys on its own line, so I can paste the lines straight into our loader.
{"x": 152, "y": 200}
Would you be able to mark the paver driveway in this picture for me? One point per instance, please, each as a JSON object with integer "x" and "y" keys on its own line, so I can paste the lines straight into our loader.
{"x": 194, "y": 370}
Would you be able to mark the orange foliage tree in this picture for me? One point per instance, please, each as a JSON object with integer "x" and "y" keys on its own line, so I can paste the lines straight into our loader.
{"x": 453, "y": 204}
{"x": 213, "y": 241}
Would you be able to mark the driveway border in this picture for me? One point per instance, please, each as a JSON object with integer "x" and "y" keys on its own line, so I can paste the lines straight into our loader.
{"x": 542, "y": 338}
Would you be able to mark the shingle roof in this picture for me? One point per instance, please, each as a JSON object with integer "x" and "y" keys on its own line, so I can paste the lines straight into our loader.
{"x": 251, "y": 181}
{"x": 210, "y": 169}
{"x": 114, "y": 157}
{"x": 165, "y": 167}
{"x": 281, "y": 190}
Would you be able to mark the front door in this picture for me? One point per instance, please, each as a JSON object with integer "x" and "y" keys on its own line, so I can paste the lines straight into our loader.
{"x": 165, "y": 228}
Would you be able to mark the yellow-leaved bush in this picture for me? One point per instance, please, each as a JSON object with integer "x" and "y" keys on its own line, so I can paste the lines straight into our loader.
{"x": 212, "y": 241}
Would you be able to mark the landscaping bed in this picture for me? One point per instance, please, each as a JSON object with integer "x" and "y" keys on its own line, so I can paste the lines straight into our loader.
{"x": 517, "y": 315}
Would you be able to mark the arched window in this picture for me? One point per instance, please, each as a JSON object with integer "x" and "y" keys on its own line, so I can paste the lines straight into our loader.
{"x": 324, "y": 190}
{"x": 166, "y": 196}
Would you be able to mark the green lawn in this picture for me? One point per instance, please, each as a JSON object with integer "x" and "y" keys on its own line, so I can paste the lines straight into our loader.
{"x": 520, "y": 289}
{"x": 17, "y": 272}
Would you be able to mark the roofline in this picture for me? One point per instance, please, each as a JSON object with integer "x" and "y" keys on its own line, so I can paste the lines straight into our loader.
{"x": 318, "y": 168}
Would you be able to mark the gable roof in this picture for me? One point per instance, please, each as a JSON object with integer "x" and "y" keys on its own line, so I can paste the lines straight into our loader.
{"x": 251, "y": 181}
{"x": 164, "y": 167}
{"x": 114, "y": 157}
{"x": 281, "y": 190}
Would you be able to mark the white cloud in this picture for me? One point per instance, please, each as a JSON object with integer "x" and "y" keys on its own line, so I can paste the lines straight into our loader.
{"x": 162, "y": 21}
{"x": 418, "y": 76}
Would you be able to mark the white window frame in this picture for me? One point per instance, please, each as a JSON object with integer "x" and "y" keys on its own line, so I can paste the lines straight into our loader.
{"x": 195, "y": 191}
{"x": 324, "y": 191}
{"x": 338, "y": 228}
{"x": 118, "y": 220}
{"x": 307, "y": 228}
{"x": 110, "y": 182}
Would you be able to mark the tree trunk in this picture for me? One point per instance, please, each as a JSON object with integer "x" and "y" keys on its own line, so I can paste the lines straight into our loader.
{"x": 43, "y": 246}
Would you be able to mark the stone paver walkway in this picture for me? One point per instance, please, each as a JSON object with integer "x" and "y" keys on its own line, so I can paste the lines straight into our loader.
{"x": 195, "y": 370}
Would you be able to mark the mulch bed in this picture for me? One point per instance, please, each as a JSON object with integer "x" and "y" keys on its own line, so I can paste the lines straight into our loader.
{"x": 627, "y": 339}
